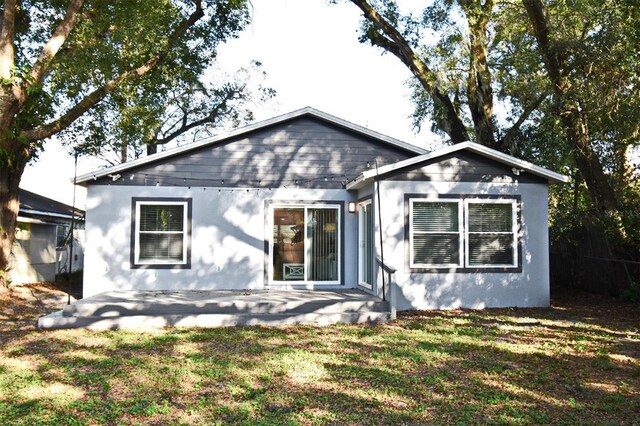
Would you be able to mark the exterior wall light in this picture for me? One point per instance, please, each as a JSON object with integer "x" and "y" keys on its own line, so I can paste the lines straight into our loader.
{"x": 352, "y": 207}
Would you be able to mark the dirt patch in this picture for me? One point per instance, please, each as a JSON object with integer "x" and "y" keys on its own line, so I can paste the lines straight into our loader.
{"x": 22, "y": 305}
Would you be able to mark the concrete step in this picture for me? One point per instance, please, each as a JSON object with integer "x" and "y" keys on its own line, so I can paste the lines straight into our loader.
{"x": 57, "y": 320}
{"x": 113, "y": 309}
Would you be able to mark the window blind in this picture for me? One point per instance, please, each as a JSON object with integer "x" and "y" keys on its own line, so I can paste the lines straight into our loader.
{"x": 436, "y": 237}
{"x": 490, "y": 234}
{"x": 490, "y": 217}
{"x": 161, "y": 247}
{"x": 161, "y": 233}
{"x": 322, "y": 257}
{"x": 161, "y": 218}
{"x": 435, "y": 217}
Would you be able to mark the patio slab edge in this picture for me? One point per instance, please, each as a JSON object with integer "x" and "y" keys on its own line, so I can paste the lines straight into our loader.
{"x": 57, "y": 321}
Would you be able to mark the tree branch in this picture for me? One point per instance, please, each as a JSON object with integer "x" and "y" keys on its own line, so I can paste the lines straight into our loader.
{"x": 93, "y": 98}
{"x": 56, "y": 41}
{"x": 396, "y": 44}
{"x": 506, "y": 142}
{"x": 539, "y": 18}
{"x": 185, "y": 127}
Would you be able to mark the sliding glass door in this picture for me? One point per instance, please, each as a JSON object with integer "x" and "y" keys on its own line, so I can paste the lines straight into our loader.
{"x": 365, "y": 246}
{"x": 305, "y": 245}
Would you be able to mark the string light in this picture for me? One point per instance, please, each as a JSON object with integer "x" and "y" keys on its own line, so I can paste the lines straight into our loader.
{"x": 170, "y": 180}
{"x": 249, "y": 184}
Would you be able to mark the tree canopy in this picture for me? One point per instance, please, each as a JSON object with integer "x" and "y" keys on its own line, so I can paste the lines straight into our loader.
{"x": 563, "y": 74}
{"x": 135, "y": 122}
{"x": 111, "y": 70}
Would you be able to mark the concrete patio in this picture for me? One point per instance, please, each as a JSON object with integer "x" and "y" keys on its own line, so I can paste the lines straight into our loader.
{"x": 150, "y": 309}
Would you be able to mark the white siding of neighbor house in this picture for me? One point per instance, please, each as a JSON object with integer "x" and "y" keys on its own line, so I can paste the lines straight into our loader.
{"x": 477, "y": 290}
{"x": 35, "y": 257}
{"x": 34, "y": 254}
{"x": 227, "y": 242}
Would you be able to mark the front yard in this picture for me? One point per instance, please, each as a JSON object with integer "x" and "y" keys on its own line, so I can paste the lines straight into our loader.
{"x": 576, "y": 363}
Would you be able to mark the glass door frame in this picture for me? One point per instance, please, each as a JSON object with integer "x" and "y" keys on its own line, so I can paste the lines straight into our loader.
{"x": 361, "y": 244}
{"x": 306, "y": 206}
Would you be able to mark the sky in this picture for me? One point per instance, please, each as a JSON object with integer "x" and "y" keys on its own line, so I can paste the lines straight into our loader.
{"x": 312, "y": 56}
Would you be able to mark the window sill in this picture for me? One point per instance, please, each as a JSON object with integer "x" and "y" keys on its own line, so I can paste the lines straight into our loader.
{"x": 161, "y": 266}
{"x": 465, "y": 270}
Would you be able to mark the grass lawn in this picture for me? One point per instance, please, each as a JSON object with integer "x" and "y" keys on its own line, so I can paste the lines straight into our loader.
{"x": 575, "y": 363}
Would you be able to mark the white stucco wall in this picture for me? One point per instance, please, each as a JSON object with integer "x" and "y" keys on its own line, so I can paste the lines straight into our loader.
{"x": 229, "y": 232}
{"x": 227, "y": 245}
{"x": 529, "y": 288}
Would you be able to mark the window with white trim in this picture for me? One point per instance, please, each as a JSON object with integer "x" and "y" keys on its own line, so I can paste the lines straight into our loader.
{"x": 491, "y": 233}
{"x": 436, "y": 233}
{"x": 463, "y": 233}
{"x": 161, "y": 232}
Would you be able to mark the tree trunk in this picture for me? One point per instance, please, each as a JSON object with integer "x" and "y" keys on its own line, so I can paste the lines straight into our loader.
{"x": 574, "y": 119}
{"x": 479, "y": 90}
{"x": 623, "y": 169}
{"x": 152, "y": 147}
{"x": 576, "y": 127}
{"x": 123, "y": 151}
{"x": 10, "y": 175}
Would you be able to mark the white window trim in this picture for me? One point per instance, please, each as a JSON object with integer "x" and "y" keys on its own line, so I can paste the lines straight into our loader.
{"x": 361, "y": 253}
{"x": 184, "y": 232}
{"x": 514, "y": 230}
{"x": 305, "y": 206}
{"x": 460, "y": 232}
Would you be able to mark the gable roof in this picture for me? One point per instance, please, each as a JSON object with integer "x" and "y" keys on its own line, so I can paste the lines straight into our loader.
{"x": 508, "y": 160}
{"x": 35, "y": 204}
{"x": 308, "y": 112}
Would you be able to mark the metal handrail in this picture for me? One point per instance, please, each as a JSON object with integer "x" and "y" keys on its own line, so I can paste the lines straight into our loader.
{"x": 385, "y": 267}
{"x": 392, "y": 286}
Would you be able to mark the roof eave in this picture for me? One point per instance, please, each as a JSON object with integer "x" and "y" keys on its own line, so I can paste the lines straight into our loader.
{"x": 356, "y": 183}
{"x": 526, "y": 166}
{"x": 521, "y": 165}
{"x": 49, "y": 214}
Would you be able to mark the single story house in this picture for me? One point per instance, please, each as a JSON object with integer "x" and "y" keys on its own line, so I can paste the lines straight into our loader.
{"x": 42, "y": 245}
{"x": 309, "y": 201}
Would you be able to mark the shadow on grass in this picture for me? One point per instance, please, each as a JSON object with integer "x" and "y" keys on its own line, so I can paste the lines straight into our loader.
{"x": 496, "y": 366}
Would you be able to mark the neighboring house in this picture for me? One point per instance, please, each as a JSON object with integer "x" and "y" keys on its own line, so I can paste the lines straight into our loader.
{"x": 309, "y": 201}
{"x": 41, "y": 248}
